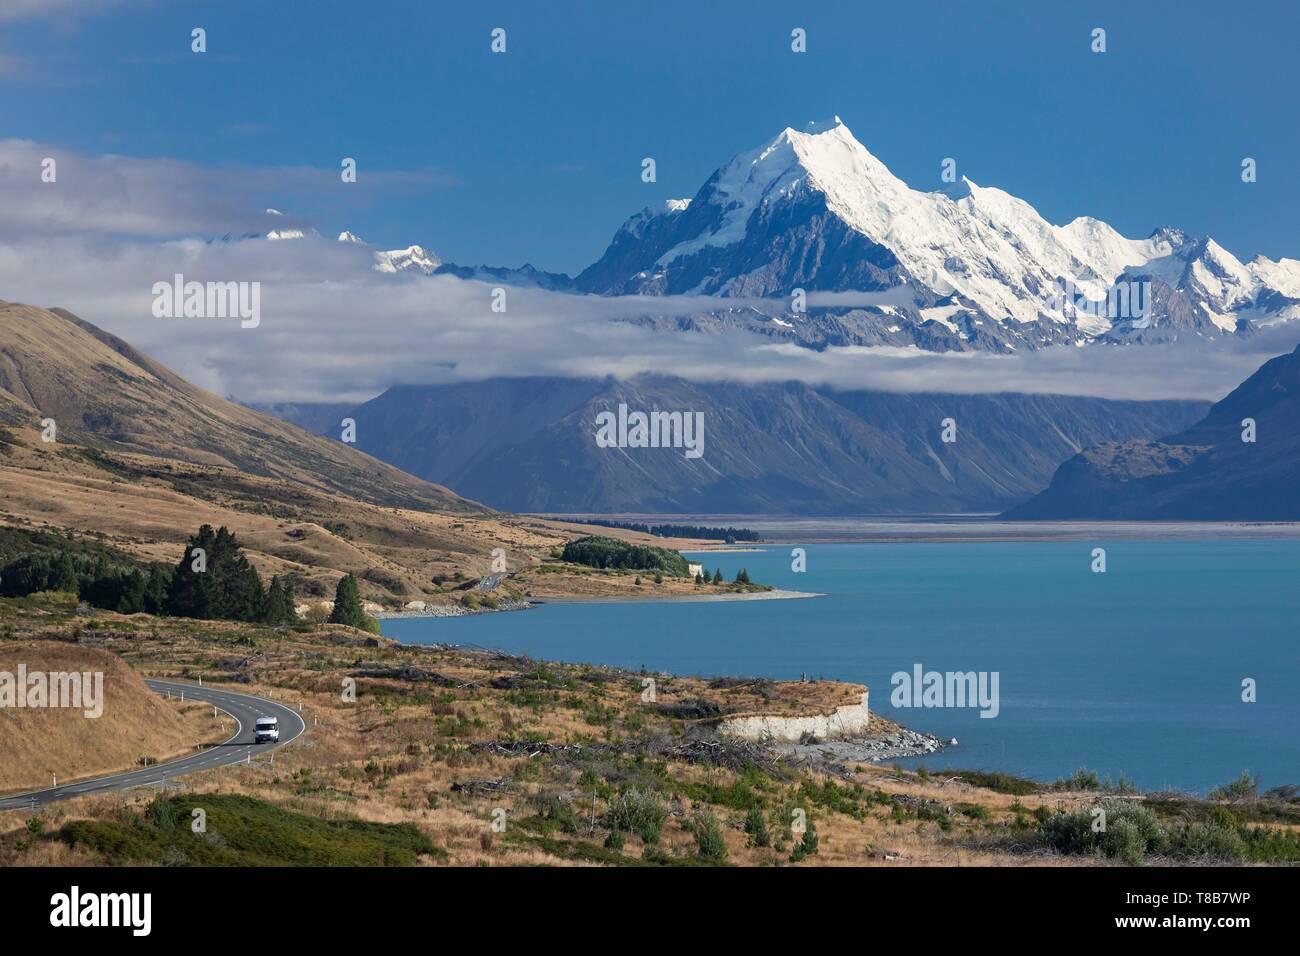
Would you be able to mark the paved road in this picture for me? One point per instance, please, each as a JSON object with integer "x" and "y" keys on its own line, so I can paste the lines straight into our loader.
{"x": 244, "y": 708}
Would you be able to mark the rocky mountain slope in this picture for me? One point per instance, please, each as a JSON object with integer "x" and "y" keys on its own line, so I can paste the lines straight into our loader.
{"x": 1205, "y": 472}
{"x": 528, "y": 444}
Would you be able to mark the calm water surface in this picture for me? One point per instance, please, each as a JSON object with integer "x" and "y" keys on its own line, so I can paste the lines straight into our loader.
{"x": 1136, "y": 671}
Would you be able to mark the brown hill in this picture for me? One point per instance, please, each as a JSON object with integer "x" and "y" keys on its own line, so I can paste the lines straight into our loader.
{"x": 103, "y": 393}
{"x": 134, "y": 722}
{"x": 144, "y": 457}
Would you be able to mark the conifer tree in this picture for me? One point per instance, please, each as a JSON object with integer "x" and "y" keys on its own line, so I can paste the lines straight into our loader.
{"x": 347, "y": 604}
{"x": 279, "y": 604}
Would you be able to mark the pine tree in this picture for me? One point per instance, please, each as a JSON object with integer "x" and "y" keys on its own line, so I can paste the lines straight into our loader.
{"x": 742, "y": 576}
{"x": 278, "y": 608}
{"x": 131, "y": 592}
{"x": 225, "y": 586}
{"x": 155, "y": 590}
{"x": 192, "y": 592}
{"x": 717, "y": 576}
{"x": 347, "y": 604}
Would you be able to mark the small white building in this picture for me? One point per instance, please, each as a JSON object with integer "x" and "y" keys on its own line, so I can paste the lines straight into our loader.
{"x": 695, "y": 568}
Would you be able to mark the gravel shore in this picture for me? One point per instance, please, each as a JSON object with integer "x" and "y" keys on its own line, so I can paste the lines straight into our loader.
{"x": 898, "y": 743}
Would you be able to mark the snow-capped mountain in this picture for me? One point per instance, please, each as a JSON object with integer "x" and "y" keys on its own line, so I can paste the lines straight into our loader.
{"x": 274, "y": 230}
{"x": 813, "y": 209}
{"x": 411, "y": 259}
{"x": 968, "y": 267}
{"x": 1202, "y": 288}
{"x": 287, "y": 232}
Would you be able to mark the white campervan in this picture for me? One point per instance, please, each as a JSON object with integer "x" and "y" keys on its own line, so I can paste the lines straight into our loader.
{"x": 267, "y": 729}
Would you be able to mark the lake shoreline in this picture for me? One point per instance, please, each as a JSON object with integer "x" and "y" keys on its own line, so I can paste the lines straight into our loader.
{"x": 776, "y": 594}
{"x": 456, "y": 610}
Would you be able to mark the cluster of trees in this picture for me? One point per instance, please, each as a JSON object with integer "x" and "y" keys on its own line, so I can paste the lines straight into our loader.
{"x": 598, "y": 551}
{"x": 729, "y": 535}
{"x": 100, "y": 581}
{"x": 212, "y": 580}
{"x": 742, "y": 577}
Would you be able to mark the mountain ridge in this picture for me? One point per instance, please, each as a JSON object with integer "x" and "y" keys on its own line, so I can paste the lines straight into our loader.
{"x": 1204, "y": 472}
{"x": 769, "y": 449}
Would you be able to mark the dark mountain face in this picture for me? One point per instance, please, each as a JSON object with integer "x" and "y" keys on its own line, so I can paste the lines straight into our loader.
{"x": 1205, "y": 472}
{"x": 796, "y": 244}
{"x": 530, "y": 445}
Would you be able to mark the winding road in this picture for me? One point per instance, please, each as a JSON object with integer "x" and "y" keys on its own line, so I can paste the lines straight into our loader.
{"x": 244, "y": 708}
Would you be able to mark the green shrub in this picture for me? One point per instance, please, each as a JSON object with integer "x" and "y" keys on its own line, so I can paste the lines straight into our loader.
{"x": 756, "y": 827}
{"x": 1243, "y": 788}
{"x": 244, "y": 831}
{"x": 709, "y": 842}
{"x": 808, "y": 845}
{"x": 640, "y": 812}
{"x": 1131, "y": 832}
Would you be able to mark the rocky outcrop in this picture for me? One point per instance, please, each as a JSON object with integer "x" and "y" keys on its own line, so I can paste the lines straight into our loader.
{"x": 843, "y": 723}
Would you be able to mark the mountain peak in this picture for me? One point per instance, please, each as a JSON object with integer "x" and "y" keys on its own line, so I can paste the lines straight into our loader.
{"x": 817, "y": 127}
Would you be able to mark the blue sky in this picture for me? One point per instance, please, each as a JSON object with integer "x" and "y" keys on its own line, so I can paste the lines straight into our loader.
{"x": 535, "y": 155}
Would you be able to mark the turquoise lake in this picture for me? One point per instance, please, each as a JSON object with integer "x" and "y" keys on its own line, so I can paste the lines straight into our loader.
{"x": 1136, "y": 671}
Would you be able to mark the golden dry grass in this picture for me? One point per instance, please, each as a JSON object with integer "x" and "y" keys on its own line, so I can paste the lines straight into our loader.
{"x": 135, "y": 722}
{"x": 415, "y": 749}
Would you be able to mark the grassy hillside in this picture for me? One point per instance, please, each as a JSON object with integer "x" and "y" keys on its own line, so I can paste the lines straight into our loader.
{"x": 136, "y": 723}
{"x": 103, "y": 393}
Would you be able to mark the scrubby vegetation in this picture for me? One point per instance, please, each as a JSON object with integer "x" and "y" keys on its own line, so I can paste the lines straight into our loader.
{"x": 999, "y": 782}
{"x": 244, "y": 831}
{"x": 504, "y": 760}
{"x": 1084, "y": 779}
{"x": 1130, "y": 832}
